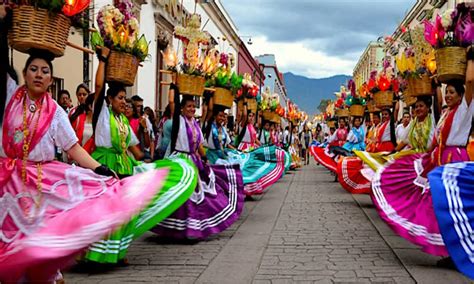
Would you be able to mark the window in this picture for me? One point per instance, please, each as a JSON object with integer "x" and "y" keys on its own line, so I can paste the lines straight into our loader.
{"x": 58, "y": 84}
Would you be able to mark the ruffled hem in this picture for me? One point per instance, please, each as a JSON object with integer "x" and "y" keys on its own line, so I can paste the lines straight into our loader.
{"x": 198, "y": 219}
{"x": 406, "y": 207}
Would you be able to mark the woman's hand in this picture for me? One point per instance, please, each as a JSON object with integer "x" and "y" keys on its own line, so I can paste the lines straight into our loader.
{"x": 3, "y": 11}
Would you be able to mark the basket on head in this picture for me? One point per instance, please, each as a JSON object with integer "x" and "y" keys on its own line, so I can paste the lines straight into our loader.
{"x": 343, "y": 112}
{"x": 371, "y": 106}
{"x": 383, "y": 99}
{"x": 121, "y": 67}
{"x": 357, "y": 110}
{"x": 420, "y": 86}
{"x": 409, "y": 99}
{"x": 267, "y": 115}
{"x": 275, "y": 118}
{"x": 190, "y": 84}
{"x": 38, "y": 29}
{"x": 451, "y": 63}
{"x": 252, "y": 104}
{"x": 223, "y": 97}
{"x": 331, "y": 124}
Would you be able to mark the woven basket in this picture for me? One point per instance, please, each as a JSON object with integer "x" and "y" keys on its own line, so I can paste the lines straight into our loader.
{"x": 420, "y": 86}
{"x": 331, "y": 124}
{"x": 357, "y": 110}
{"x": 252, "y": 104}
{"x": 223, "y": 97}
{"x": 408, "y": 99}
{"x": 191, "y": 85}
{"x": 276, "y": 118}
{"x": 268, "y": 115}
{"x": 451, "y": 63}
{"x": 371, "y": 106}
{"x": 121, "y": 67}
{"x": 342, "y": 112}
{"x": 36, "y": 28}
{"x": 383, "y": 99}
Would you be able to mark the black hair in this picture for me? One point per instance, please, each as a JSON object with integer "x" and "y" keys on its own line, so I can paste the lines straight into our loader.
{"x": 167, "y": 112}
{"x": 458, "y": 86}
{"x": 63, "y": 92}
{"x": 40, "y": 54}
{"x": 82, "y": 86}
{"x": 215, "y": 111}
{"x": 137, "y": 98}
{"x": 83, "y": 108}
{"x": 393, "y": 137}
{"x": 115, "y": 89}
{"x": 427, "y": 100}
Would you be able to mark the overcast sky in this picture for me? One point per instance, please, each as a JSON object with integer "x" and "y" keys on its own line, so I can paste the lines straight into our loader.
{"x": 315, "y": 38}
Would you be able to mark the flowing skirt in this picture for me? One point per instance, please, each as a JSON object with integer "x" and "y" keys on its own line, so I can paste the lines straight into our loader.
{"x": 260, "y": 168}
{"x": 452, "y": 188}
{"x": 177, "y": 188}
{"x": 215, "y": 205}
{"x": 351, "y": 177}
{"x": 322, "y": 156}
{"x": 403, "y": 200}
{"x": 42, "y": 231}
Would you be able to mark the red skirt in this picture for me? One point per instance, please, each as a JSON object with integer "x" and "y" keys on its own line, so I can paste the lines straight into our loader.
{"x": 386, "y": 146}
{"x": 350, "y": 176}
{"x": 322, "y": 156}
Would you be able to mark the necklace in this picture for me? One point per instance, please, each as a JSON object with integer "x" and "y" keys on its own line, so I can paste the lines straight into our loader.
{"x": 27, "y": 138}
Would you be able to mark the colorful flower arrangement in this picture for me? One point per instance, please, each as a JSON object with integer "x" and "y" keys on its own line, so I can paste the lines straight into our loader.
{"x": 192, "y": 38}
{"x": 353, "y": 98}
{"x": 119, "y": 30}
{"x": 249, "y": 87}
{"x": 223, "y": 77}
{"x": 269, "y": 101}
{"x": 384, "y": 80}
{"x": 455, "y": 27}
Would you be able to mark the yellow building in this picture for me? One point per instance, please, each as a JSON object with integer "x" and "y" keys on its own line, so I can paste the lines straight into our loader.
{"x": 370, "y": 60}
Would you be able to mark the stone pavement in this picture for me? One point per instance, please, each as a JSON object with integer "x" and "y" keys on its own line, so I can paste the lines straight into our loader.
{"x": 306, "y": 229}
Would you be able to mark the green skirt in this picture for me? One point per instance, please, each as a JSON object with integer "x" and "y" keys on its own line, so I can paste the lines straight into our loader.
{"x": 120, "y": 163}
{"x": 176, "y": 190}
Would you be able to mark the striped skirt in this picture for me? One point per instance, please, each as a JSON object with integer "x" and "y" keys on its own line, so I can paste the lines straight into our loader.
{"x": 215, "y": 204}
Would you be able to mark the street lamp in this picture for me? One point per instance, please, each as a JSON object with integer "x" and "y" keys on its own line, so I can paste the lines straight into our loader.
{"x": 249, "y": 42}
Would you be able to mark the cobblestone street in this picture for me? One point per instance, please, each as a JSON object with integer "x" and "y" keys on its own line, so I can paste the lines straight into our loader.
{"x": 305, "y": 229}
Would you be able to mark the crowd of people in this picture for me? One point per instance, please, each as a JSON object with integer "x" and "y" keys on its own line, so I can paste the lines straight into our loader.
{"x": 416, "y": 169}
{"x": 78, "y": 184}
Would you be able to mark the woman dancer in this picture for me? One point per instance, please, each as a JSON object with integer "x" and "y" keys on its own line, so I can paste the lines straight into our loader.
{"x": 401, "y": 189}
{"x": 217, "y": 200}
{"x": 114, "y": 137}
{"x": 53, "y": 211}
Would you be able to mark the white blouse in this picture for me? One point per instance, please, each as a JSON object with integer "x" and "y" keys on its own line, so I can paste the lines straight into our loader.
{"x": 102, "y": 131}
{"x": 88, "y": 132}
{"x": 459, "y": 134}
{"x": 59, "y": 134}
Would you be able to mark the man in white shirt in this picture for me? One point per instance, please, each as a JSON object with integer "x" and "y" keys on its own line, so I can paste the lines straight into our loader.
{"x": 402, "y": 129}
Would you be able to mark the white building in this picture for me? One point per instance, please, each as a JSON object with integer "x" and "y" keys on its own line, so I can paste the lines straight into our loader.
{"x": 273, "y": 77}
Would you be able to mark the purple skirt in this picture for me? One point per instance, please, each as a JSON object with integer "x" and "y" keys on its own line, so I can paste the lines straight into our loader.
{"x": 214, "y": 206}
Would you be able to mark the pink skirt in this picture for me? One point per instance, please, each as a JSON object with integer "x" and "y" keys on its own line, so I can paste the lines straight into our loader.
{"x": 42, "y": 231}
{"x": 403, "y": 200}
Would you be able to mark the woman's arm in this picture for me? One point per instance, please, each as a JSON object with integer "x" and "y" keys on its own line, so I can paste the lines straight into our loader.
{"x": 469, "y": 75}
{"x": 137, "y": 153}
{"x": 103, "y": 54}
{"x": 78, "y": 154}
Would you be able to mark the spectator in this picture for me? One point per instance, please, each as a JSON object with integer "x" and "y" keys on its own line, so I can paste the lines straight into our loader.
{"x": 64, "y": 100}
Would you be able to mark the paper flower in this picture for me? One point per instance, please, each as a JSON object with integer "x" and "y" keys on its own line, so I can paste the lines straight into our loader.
{"x": 447, "y": 19}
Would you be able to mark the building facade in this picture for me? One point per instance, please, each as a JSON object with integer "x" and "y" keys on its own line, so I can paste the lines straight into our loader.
{"x": 370, "y": 60}
{"x": 273, "y": 77}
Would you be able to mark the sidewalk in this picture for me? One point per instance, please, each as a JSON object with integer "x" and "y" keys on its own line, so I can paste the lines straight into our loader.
{"x": 305, "y": 229}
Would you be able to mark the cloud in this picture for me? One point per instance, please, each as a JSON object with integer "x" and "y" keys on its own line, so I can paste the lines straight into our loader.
{"x": 331, "y": 29}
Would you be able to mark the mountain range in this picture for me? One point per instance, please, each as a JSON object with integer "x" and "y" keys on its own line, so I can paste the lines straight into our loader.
{"x": 307, "y": 92}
